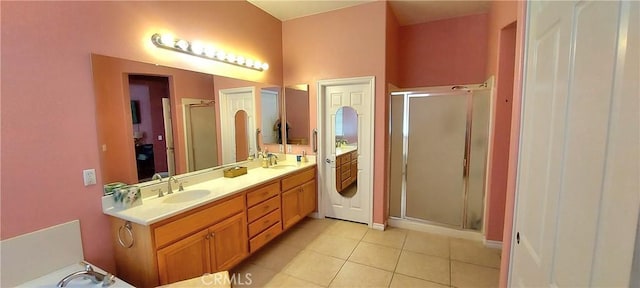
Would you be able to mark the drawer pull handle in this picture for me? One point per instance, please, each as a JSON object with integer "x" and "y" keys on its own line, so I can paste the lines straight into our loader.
{"x": 266, "y": 207}
{"x": 266, "y": 221}
{"x": 267, "y": 236}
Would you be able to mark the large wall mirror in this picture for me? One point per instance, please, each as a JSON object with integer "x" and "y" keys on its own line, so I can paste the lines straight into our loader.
{"x": 155, "y": 119}
{"x": 271, "y": 116}
{"x": 296, "y": 131}
{"x": 346, "y": 139}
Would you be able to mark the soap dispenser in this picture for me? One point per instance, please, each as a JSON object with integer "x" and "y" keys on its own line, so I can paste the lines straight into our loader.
{"x": 265, "y": 159}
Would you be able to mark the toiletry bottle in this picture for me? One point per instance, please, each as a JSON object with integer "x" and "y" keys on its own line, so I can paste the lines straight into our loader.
{"x": 304, "y": 156}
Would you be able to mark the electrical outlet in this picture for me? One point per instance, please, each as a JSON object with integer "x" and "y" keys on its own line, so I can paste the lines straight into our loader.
{"x": 89, "y": 177}
{"x": 280, "y": 148}
{"x": 288, "y": 148}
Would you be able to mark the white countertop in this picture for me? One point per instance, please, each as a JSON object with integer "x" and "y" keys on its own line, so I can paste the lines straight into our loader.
{"x": 155, "y": 209}
{"x": 52, "y": 279}
{"x": 345, "y": 149}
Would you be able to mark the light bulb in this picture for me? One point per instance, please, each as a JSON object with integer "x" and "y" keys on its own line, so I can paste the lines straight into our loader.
{"x": 167, "y": 40}
{"x": 240, "y": 60}
{"x": 182, "y": 44}
{"x": 248, "y": 63}
{"x": 257, "y": 64}
{"x": 197, "y": 47}
{"x": 210, "y": 52}
{"x": 265, "y": 66}
{"x": 231, "y": 58}
{"x": 221, "y": 55}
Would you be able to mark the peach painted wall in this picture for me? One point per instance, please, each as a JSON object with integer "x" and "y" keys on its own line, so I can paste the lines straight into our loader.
{"x": 46, "y": 48}
{"x": 392, "y": 73}
{"x": 514, "y": 142}
{"x": 501, "y": 14}
{"x": 345, "y": 43}
{"x": 444, "y": 52}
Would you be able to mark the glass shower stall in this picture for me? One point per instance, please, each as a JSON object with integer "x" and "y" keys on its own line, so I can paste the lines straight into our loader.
{"x": 439, "y": 147}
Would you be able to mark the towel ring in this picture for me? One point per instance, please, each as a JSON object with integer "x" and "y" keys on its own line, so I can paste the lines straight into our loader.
{"x": 126, "y": 227}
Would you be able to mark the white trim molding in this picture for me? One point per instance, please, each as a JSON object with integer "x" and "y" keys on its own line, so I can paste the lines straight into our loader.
{"x": 379, "y": 226}
{"x": 492, "y": 244}
{"x": 434, "y": 229}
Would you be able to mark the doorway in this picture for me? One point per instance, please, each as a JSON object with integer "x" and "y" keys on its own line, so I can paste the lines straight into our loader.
{"x": 439, "y": 150}
{"x": 152, "y": 127}
{"x": 345, "y": 117}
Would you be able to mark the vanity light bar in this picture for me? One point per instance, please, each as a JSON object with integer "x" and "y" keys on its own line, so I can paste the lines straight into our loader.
{"x": 198, "y": 49}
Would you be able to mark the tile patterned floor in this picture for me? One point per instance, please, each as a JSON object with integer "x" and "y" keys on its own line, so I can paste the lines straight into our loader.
{"x": 332, "y": 253}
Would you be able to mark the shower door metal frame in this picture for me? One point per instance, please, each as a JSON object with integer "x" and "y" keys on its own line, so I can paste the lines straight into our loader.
{"x": 440, "y": 91}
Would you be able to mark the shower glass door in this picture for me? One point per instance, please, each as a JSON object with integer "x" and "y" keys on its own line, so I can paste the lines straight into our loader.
{"x": 435, "y": 172}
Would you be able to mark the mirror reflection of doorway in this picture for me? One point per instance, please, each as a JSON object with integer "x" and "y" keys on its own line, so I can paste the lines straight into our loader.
{"x": 346, "y": 131}
{"x": 152, "y": 133}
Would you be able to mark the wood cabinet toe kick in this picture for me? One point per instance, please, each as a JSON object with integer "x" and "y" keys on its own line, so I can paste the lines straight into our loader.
{"x": 214, "y": 237}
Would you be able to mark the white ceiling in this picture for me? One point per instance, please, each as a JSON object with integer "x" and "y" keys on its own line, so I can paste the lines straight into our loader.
{"x": 408, "y": 12}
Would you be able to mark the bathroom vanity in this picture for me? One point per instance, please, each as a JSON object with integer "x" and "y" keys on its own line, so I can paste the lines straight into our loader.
{"x": 211, "y": 226}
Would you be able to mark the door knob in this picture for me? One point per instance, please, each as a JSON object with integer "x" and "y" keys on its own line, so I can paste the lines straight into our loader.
{"x": 328, "y": 161}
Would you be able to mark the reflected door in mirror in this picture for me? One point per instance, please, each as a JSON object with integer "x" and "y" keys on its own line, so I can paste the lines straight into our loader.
{"x": 297, "y": 115}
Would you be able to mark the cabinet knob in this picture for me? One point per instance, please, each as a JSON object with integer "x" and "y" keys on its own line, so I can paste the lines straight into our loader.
{"x": 212, "y": 234}
{"x": 207, "y": 237}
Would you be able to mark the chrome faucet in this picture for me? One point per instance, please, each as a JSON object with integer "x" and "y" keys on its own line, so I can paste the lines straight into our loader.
{"x": 169, "y": 188}
{"x": 89, "y": 273}
{"x": 273, "y": 159}
{"x": 159, "y": 178}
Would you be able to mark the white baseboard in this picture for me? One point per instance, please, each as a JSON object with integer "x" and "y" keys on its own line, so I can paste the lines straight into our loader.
{"x": 492, "y": 244}
{"x": 424, "y": 227}
{"x": 379, "y": 226}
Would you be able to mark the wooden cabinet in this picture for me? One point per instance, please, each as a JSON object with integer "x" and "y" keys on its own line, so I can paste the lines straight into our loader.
{"x": 193, "y": 250}
{"x": 216, "y": 236}
{"x": 214, "y": 249}
{"x": 346, "y": 170}
{"x": 228, "y": 243}
{"x": 299, "y": 197}
{"x": 263, "y": 215}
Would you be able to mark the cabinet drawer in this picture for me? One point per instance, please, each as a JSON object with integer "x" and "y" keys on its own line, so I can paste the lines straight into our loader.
{"x": 263, "y": 238}
{"x": 263, "y": 208}
{"x": 346, "y": 173}
{"x": 181, "y": 227}
{"x": 261, "y": 194}
{"x": 298, "y": 179}
{"x": 263, "y": 223}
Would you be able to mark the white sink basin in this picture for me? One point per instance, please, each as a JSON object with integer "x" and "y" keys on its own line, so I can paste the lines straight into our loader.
{"x": 186, "y": 196}
{"x": 283, "y": 166}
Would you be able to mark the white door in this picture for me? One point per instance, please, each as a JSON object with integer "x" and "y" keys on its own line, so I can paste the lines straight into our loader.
{"x": 168, "y": 135}
{"x": 232, "y": 101}
{"x": 358, "y": 94}
{"x": 577, "y": 193}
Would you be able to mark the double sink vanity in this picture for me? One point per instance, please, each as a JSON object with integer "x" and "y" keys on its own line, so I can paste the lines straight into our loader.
{"x": 212, "y": 225}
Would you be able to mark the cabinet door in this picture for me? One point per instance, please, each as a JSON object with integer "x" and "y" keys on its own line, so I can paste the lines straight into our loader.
{"x": 308, "y": 198}
{"x": 228, "y": 241}
{"x": 185, "y": 259}
{"x": 290, "y": 207}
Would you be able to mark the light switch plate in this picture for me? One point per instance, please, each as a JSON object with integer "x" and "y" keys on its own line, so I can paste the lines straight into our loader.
{"x": 89, "y": 177}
